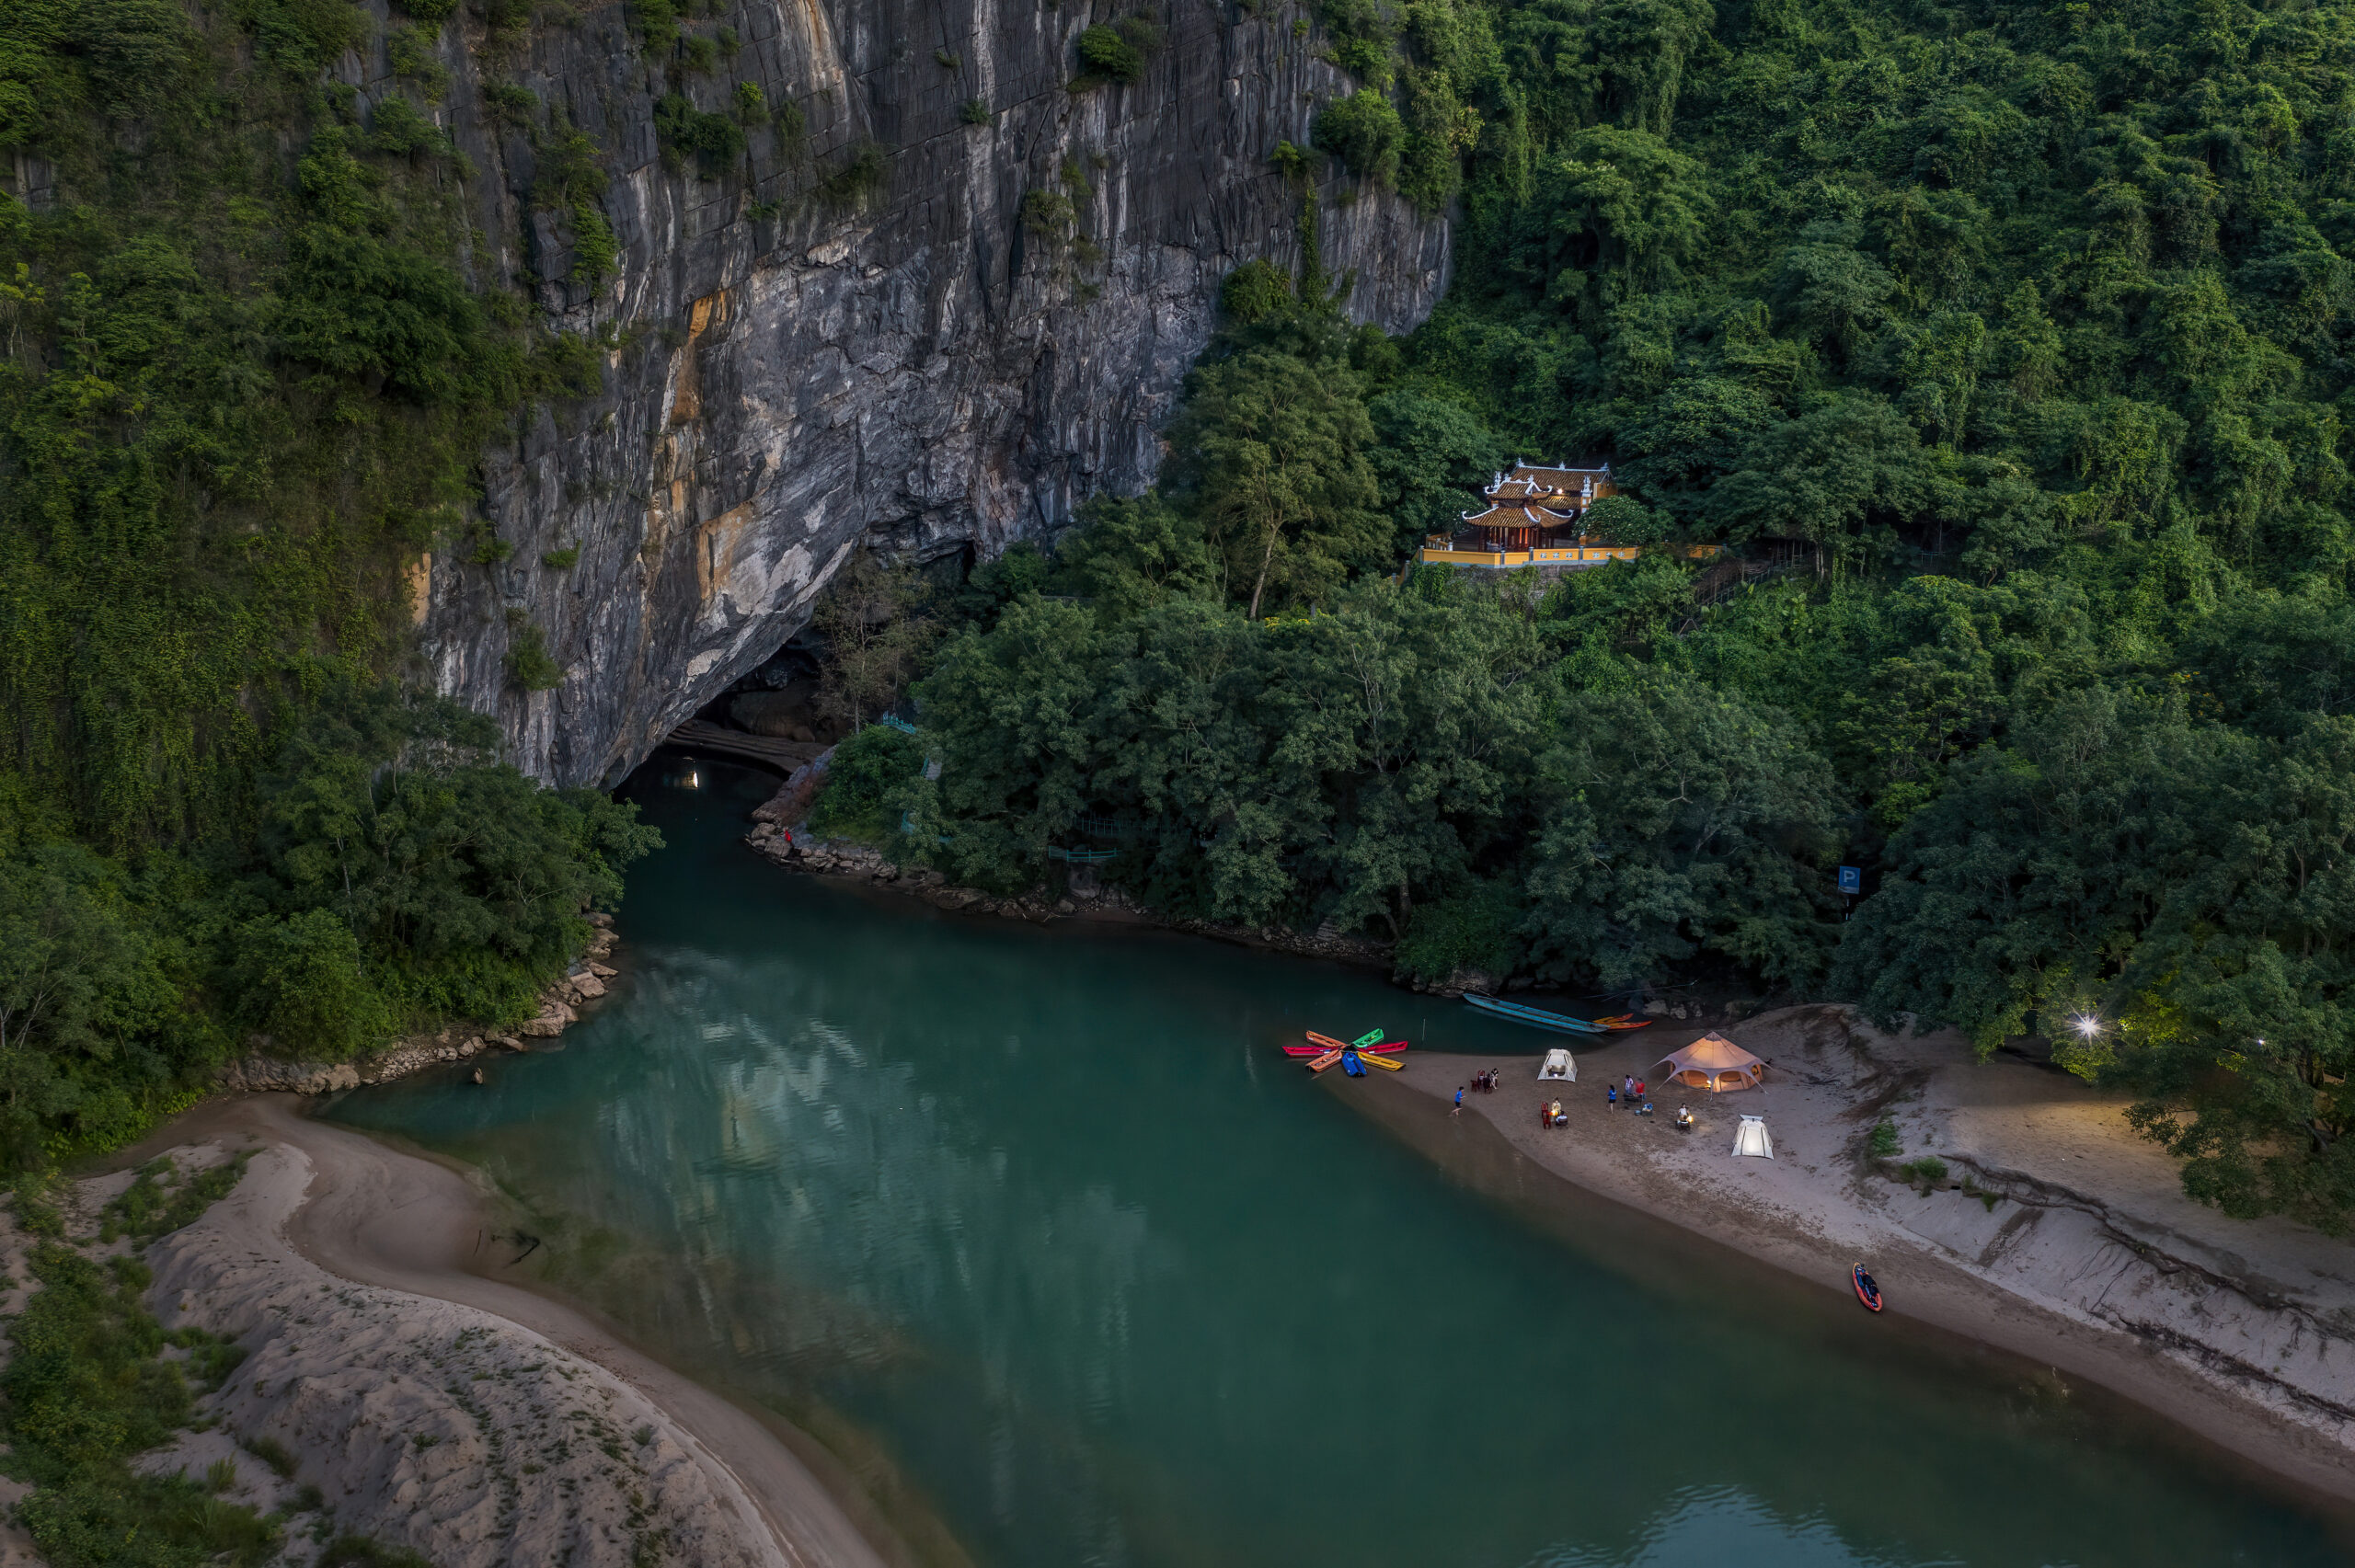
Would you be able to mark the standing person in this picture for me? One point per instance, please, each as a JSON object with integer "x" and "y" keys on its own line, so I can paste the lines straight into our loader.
{"x": 1639, "y": 1088}
{"x": 1610, "y": 1095}
{"x": 1459, "y": 1102}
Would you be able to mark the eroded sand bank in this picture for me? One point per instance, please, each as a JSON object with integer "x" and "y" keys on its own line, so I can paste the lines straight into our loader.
{"x": 471, "y": 1421}
{"x": 2071, "y": 1244}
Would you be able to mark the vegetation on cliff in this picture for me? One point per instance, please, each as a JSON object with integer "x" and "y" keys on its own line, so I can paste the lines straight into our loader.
{"x": 248, "y": 371}
{"x": 2010, "y": 346}
{"x": 2010, "y": 349}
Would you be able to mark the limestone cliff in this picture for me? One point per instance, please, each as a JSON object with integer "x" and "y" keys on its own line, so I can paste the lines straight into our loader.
{"x": 805, "y": 364}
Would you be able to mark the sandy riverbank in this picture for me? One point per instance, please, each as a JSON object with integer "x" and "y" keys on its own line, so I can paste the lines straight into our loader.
{"x": 2071, "y": 1246}
{"x": 465, "y": 1418}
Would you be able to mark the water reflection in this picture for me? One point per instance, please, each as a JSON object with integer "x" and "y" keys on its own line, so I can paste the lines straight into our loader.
{"x": 1045, "y": 1219}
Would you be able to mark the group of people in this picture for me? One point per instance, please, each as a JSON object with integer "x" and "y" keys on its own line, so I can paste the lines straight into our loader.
{"x": 1631, "y": 1088}
{"x": 1483, "y": 1082}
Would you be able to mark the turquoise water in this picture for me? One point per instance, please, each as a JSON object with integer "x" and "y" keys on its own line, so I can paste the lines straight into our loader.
{"x": 1039, "y": 1225}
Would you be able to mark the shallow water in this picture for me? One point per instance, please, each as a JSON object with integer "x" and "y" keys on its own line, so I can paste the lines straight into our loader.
{"x": 1039, "y": 1229}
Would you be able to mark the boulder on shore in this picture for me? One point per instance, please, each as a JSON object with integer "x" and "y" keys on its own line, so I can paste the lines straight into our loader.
{"x": 789, "y": 804}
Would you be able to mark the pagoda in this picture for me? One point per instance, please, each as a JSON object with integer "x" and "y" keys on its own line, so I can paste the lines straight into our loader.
{"x": 1533, "y": 518}
{"x": 1536, "y": 517}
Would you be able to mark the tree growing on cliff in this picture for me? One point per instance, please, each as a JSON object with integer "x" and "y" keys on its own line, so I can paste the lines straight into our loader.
{"x": 1270, "y": 452}
{"x": 876, "y": 637}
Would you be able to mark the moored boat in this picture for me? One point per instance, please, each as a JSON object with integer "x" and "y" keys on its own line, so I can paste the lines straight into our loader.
{"x": 1623, "y": 1021}
{"x": 1387, "y": 1063}
{"x": 1320, "y": 1063}
{"x": 1535, "y": 1017}
{"x": 1867, "y": 1291}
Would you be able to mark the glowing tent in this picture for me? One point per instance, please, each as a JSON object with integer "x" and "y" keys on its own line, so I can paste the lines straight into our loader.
{"x": 1751, "y": 1138}
{"x": 1558, "y": 1068}
{"x": 1713, "y": 1062}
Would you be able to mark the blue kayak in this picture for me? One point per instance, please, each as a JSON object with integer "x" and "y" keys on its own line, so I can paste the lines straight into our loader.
{"x": 1351, "y": 1064}
{"x": 1535, "y": 1017}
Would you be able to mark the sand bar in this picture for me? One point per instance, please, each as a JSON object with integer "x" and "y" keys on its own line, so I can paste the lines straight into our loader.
{"x": 2071, "y": 1245}
{"x": 327, "y": 1361}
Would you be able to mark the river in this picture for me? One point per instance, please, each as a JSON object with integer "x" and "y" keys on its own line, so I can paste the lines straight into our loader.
{"x": 1038, "y": 1231}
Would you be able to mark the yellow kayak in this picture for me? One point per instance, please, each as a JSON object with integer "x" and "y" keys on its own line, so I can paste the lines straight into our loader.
{"x": 1391, "y": 1063}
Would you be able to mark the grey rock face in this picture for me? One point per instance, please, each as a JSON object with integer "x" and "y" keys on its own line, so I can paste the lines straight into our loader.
{"x": 800, "y": 371}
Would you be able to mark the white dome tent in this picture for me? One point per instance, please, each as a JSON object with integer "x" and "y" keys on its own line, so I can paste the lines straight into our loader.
{"x": 1751, "y": 1137}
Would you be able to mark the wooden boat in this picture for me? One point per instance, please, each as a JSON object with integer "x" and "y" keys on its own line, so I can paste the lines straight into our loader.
{"x": 1625, "y": 1021}
{"x": 1867, "y": 1291}
{"x": 1387, "y": 1063}
{"x": 1533, "y": 1016}
{"x": 1322, "y": 1062}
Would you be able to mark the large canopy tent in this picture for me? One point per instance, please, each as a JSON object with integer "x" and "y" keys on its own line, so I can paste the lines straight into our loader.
{"x": 1713, "y": 1062}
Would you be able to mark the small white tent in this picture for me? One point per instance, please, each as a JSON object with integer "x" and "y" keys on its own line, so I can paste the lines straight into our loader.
{"x": 1752, "y": 1138}
{"x": 1558, "y": 1068}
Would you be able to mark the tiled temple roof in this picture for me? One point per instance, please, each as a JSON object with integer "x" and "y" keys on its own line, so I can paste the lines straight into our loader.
{"x": 1511, "y": 515}
{"x": 1537, "y": 482}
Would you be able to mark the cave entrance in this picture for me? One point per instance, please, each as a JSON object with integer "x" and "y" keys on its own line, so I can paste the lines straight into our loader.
{"x": 778, "y": 697}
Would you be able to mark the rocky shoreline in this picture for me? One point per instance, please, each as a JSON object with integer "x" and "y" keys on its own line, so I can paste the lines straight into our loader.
{"x": 1084, "y": 897}
{"x": 560, "y": 1006}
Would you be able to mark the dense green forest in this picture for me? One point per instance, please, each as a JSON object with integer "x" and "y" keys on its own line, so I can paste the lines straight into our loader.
{"x": 2009, "y": 346}
{"x": 2004, "y": 345}
{"x": 243, "y": 378}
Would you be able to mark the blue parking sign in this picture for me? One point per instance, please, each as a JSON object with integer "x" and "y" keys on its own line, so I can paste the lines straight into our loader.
{"x": 1851, "y": 880}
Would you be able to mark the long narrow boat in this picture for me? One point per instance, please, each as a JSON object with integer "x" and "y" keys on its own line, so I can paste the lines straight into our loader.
{"x": 1387, "y": 1063}
{"x": 1322, "y": 1062}
{"x": 1625, "y": 1021}
{"x": 1535, "y": 1016}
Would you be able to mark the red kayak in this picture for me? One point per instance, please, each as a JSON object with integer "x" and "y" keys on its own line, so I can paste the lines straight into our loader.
{"x": 1867, "y": 1291}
